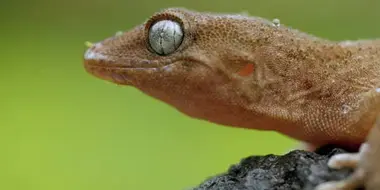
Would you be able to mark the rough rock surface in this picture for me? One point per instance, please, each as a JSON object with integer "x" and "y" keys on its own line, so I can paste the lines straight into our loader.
{"x": 295, "y": 170}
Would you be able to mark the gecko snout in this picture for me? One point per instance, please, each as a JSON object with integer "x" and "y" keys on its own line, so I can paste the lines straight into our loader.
{"x": 94, "y": 62}
{"x": 102, "y": 66}
{"x": 94, "y": 53}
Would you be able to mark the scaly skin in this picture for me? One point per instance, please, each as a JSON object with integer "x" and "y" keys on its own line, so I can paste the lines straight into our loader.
{"x": 305, "y": 87}
{"x": 365, "y": 162}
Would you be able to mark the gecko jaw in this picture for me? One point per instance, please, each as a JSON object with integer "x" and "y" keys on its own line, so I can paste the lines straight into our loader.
{"x": 104, "y": 69}
{"x": 115, "y": 75}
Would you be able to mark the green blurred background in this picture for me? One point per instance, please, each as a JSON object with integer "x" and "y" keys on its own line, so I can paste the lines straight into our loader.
{"x": 62, "y": 129}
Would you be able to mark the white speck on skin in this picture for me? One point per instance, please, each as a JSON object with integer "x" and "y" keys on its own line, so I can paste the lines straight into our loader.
{"x": 347, "y": 43}
{"x": 91, "y": 55}
{"x": 276, "y": 22}
{"x": 377, "y": 89}
{"x": 167, "y": 68}
{"x": 119, "y": 33}
{"x": 346, "y": 109}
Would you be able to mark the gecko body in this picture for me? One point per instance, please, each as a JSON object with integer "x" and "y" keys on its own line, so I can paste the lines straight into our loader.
{"x": 248, "y": 72}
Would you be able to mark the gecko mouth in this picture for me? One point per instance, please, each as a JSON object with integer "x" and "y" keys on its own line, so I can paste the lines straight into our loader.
{"x": 101, "y": 66}
{"x": 95, "y": 58}
{"x": 117, "y": 74}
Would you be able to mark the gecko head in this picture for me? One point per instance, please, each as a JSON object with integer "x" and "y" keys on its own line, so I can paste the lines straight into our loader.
{"x": 149, "y": 53}
{"x": 185, "y": 58}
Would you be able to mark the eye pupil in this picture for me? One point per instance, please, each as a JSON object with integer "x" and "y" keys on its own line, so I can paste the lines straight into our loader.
{"x": 165, "y": 37}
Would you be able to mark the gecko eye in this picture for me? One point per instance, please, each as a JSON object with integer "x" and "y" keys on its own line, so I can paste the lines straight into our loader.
{"x": 165, "y": 36}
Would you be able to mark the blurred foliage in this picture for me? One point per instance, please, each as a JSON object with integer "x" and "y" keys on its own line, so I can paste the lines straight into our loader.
{"x": 63, "y": 129}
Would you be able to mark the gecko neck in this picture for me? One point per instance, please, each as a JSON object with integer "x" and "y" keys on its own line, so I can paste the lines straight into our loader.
{"x": 300, "y": 78}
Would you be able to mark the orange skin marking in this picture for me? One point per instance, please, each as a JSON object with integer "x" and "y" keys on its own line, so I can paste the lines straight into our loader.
{"x": 247, "y": 70}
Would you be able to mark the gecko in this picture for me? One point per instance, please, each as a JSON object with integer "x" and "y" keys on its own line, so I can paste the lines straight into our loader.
{"x": 249, "y": 72}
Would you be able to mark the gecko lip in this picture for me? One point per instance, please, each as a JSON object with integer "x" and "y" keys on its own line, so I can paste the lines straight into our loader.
{"x": 94, "y": 57}
{"x": 118, "y": 74}
{"x": 99, "y": 60}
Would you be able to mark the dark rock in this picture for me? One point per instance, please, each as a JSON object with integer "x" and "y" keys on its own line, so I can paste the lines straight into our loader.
{"x": 295, "y": 170}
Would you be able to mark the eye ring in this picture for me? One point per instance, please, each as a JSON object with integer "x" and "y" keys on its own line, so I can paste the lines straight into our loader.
{"x": 164, "y": 34}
